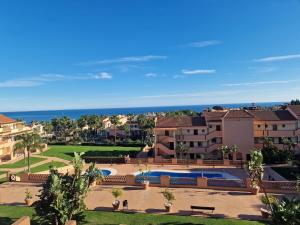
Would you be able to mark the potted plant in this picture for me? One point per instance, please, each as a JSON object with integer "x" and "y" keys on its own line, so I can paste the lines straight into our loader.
{"x": 266, "y": 212}
{"x": 28, "y": 198}
{"x": 116, "y": 192}
{"x": 169, "y": 197}
{"x": 144, "y": 178}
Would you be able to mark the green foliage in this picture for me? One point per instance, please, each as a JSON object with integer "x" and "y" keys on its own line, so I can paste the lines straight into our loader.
{"x": 274, "y": 155}
{"x": 185, "y": 112}
{"x": 255, "y": 167}
{"x": 28, "y": 194}
{"x": 271, "y": 199}
{"x": 62, "y": 196}
{"x": 117, "y": 192}
{"x": 286, "y": 212}
{"x": 168, "y": 195}
{"x": 295, "y": 102}
{"x": 28, "y": 142}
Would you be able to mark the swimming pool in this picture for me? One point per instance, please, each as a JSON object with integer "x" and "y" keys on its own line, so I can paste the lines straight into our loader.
{"x": 107, "y": 171}
{"x": 187, "y": 174}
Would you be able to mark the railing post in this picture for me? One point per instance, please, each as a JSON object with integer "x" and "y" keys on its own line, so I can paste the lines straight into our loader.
{"x": 174, "y": 161}
{"x": 165, "y": 181}
{"x": 202, "y": 182}
{"x": 150, "y": 160}
{"x": 226, "y": 162}
{"x": 130, "y": 179}
{"x": 199, "y": 161}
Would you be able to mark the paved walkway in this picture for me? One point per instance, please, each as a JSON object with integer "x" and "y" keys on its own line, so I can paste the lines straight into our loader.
{"x": 228, "y": 203}
{"x": 48, "y": 160}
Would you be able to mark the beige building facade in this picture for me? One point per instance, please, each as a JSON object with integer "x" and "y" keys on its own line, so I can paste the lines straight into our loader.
{"x": 9, "y": 129}
{"x": 204, "y": 135}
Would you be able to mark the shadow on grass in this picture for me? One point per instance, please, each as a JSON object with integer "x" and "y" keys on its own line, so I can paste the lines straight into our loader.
{"x": 6, "y": 221}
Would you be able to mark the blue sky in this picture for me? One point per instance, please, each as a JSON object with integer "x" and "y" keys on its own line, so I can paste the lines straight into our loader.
{"x": 97, "y": 54}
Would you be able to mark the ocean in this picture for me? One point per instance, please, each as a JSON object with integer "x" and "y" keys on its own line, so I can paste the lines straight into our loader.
{"x": 47, "y": 115}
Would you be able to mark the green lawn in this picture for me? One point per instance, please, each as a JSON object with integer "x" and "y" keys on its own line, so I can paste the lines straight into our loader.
{"x": 66, "y": 151}
{"x": 290, "y": 173}
{"x": 22, "y": 163}
{"x": 46, "y": 166}
{"x": 2, "y": 172}
{"x": 8, "y": 214}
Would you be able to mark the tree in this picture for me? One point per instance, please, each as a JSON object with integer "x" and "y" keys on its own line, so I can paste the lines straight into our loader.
{"x": 286, "y": 212}
{"x": 256, "y": 172}
{"x": 146, "y": 124}
{"x": 288, "y": 146}
{"x": 63, "y": 129}
{"x": 225, "y": 151}
{"x": 181, "y": 149}
{"x": 115, "y": 120}
{"x": 295, "y": 102}
{"x": 28, "y": 142}
{"x": 62, "y": 196}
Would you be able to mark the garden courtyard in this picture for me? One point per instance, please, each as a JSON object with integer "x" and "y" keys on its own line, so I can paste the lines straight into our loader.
{"x": 229, "y": 204}
{"x": 240, "y": 206}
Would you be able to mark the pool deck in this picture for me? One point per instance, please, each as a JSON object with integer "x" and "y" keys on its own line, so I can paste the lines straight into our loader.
{"x": 230, "y": 204}
{"x": 124, "y": 169}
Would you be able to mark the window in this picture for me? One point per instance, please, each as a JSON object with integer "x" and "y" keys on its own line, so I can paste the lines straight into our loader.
{"x": 218, "y": 127}
{"x": 266, "y": 126}
{"x": 188, "y": 130}
{"x": 167, "y": 133}
{"x": 199, "y": 144}
{"x": 195, "y": 132}
{"x": 258, "y": 126}
{"x": 191, "y": 144}
{"x": 203, "y": 130}
{"x": 210, "y": 126}
{"x": 283, "y": 125}
{"x": 275, "y": 127}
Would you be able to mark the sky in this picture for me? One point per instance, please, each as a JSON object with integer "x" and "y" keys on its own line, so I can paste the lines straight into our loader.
{"x": 71, "y": 54}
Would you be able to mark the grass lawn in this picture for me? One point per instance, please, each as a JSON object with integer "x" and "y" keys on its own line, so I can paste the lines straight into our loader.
{"x": 8, "y": 214}
{"x": 2, "y": 172}
{"x": 66, "y": 151}
{"x": 22, "y": 163}
{"x": 289, "y": 173}
{"x": 46, "y": 166}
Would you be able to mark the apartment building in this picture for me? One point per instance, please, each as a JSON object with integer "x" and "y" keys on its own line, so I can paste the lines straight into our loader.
{"x": 9, "y": 128}
{"x": 206, "y": 133}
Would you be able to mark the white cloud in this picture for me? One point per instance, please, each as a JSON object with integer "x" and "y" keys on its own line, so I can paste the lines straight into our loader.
{"x": 202, "y": 44}
{"x": 103, "y": 76}
{"x": 278, "y": 58}
{"x": 19, "y": 83}
{"x": 129, "y": 59}
{"x": 151, "y": 75}
{"x": 198, "y": 71}
{"x": 50, "y": 77}
{"x": 261, "y": 83}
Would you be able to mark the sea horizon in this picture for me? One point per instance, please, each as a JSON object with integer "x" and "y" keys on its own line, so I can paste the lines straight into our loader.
{"x": 47, "y": 115}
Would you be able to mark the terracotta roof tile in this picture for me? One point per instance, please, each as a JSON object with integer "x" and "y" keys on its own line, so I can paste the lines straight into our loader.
{"x": 214, "y": 116}
{"x": 295, "y": 109}
{"x": 180, "y": 121}
{"x": 238, "y": 114}
{"x": 272, "y": 115}
{"x": 5, "y": 119}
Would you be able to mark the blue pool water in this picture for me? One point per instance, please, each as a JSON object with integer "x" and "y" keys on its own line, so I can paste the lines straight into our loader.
{"x": 185, "y": 174}
{"x": 106, "y": 172}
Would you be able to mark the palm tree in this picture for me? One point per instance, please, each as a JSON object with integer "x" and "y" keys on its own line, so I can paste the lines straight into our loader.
{"x": 28, "y": 142}
{"x": 225, "y": 151}
{"x": 115, "y": 120}
{"x": 234, "y": 149}
{"x": 181, "y": 149}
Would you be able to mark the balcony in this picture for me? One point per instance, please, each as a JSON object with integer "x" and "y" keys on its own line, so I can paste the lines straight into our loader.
{"x": 197, "y": 150}
{"x": 281, "y": 133}
{"x": 214, "y": 134}
{"x": 297, "y": 132}
{"x": 200, "y": 137}
{"x": 165, "y": 139}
